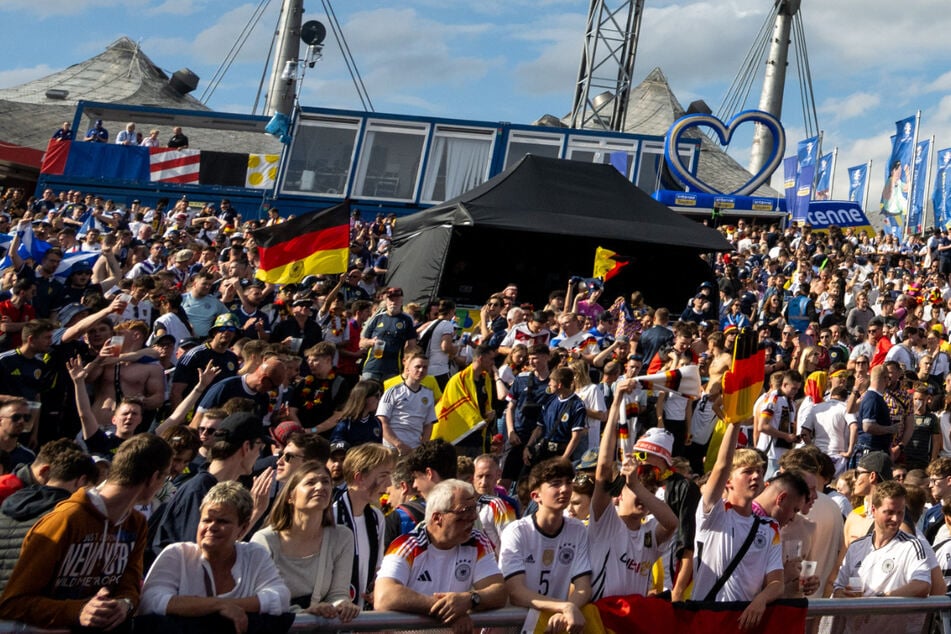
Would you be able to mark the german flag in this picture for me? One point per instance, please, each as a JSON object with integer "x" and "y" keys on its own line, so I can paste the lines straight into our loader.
{"x": 743, "y": 382}
{"x": 607, "y": 263}
{"x": 312, "y": 244}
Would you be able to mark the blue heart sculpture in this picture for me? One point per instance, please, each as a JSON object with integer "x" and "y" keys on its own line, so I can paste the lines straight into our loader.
{"x": 724, "y": 133}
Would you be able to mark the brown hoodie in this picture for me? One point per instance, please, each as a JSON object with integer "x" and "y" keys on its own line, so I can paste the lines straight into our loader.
{"x": 67, "y": 556}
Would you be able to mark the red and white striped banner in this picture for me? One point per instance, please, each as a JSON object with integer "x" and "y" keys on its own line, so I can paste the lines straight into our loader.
{"x": 169, "y": 165}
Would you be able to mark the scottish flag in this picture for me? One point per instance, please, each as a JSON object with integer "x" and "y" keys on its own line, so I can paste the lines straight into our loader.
{"x": 31, "y": 246}
{"x": 66, "y": 266}
{"x": 916, "y": 214}
{"x": 858, "y": 176}
{"x": 942, "y": 190}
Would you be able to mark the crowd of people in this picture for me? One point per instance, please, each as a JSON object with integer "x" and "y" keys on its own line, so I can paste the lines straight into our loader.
{"x": 185, "y": 443}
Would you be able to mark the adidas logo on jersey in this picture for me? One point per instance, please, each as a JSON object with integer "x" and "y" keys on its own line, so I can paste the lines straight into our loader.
{"x": 424, "y": 577}
{"x": 530, "y": 559}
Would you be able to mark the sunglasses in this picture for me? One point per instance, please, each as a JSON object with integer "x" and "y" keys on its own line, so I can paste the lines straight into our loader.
{"x": 19, "y": 418}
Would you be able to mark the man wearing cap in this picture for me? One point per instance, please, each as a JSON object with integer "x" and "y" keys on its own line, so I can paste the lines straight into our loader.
{"x": 180, "y": 266}
{"x": 626, "y": 540}
{"x": 97, "y": 133}
{"x": 871, "y": 470}
{"x": 200, "y": 305}
{"x": 386, "y": 336}
{"x": 299, "y": 325}
{"x": 238, "y": 443}
{"x": 216, "y": 351}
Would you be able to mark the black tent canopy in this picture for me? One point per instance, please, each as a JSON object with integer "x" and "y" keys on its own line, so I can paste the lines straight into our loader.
{"x": 538, "y": 223}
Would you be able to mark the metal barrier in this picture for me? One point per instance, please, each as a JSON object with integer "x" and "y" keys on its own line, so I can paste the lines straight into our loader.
{"x": 513, "y": 617}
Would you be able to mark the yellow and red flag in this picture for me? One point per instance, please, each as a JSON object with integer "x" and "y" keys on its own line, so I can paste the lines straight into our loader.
{"x": 311, "y": 244}
{"x": 743, "y": 382}
{"x": 607, "y": 263}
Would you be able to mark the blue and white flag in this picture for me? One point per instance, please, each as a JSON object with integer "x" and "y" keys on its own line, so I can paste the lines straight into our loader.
{"x": 858, "y": 176}
{"x": 895, "y": 193}
{"x": 31, "y": 246}
{"x": 824, "y": 178}
{"x": 807, "y": 175}
{"x": 941, "y": 196}
{"x": 790, "y": 171}
{"x": 65, "y": 267}
{"x": 807, "y": 151}
{"x": 89, "y": 223}
{"x": 915, "y": 215}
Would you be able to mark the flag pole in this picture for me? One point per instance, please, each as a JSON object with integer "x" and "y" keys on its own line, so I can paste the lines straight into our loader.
{"x": 868, "y": 183}
{"x": 928, "y": 178}
{"x": 835, "y": 154}
{"x": 911, "y": 176}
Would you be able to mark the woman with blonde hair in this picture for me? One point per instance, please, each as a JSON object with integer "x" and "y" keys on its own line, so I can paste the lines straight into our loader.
{"x": 313, "y": 554}
{"x": 595, "y": 408}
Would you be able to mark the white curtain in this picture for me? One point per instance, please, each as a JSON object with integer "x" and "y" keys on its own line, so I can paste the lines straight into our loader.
{"x": 465, "y": 162}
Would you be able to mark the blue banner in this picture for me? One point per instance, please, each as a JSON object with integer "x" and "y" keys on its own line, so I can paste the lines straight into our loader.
{"x": 916, "y": 215}
{"x": 808, "y": 149}
{"x": 790, "y": 171}
{"x": 807, "y": 174}
{"x": 841, "y": 213}
{"x": 824, "y": 178}
{"x": 108, "y": 161}
{"x": 894, "y": 203}
{"x": 942, "y": 190}
{"x": 858, "y": 176}
{"x": 722, "y": 202}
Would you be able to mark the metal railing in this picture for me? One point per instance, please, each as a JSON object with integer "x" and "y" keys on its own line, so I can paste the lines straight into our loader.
{"x": 513, "y": 617}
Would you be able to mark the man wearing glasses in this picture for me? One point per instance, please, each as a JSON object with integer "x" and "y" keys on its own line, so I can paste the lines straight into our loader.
{"x": 868, "y": 347}
{"x": 492, "y": 323}
{"x": 14, "y": 415}
{"x": 444, "y": 568}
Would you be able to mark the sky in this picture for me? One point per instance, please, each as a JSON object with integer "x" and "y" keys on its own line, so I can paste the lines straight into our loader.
{"x": 872, "y": 62}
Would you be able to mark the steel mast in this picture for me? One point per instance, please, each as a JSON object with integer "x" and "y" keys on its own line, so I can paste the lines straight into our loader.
{"x": 607, "y": 64}
{"x": 282, "y": 89}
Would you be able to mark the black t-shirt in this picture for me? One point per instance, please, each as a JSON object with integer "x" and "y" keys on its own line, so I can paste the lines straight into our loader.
{"x": 197, "y": 359}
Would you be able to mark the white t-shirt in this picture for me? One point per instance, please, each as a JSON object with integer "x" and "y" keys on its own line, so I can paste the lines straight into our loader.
{"x": 830, "y": 423}
{"x": 703, "y": 421}
{"x": 781, "y": 414}
{"x": 439, "y": 360}
{"x": 621, "y": 558}
{"x": 720, "y": 534}
{"x": 593, "y": 399}
{"x": 945, "y": 421}
{"x": 408, "y": 411}
{"x": 418, "y": 565}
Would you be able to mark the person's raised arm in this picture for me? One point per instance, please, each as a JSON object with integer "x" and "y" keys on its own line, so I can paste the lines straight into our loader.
{"x": 712, "y": 491}
{"x": 604, "y": 472}
{"x": 86, "y": 416}
{"x": 206, "y": 377}
{"x": 666, "y": 518}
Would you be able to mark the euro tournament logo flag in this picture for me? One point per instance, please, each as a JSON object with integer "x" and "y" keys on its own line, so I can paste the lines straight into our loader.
{"x": 941, "y": 196}
{"x": 312, "y": 244}
{"x": 607, "y": 263}
{"x": 743, "y": 382}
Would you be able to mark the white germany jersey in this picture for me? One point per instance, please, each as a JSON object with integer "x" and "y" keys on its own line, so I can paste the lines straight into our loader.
{"x": 901, "y": 560}
{"x": 621, "y": 559}
{"x": 550, "y": 562}
{"x": 720, "y": 534}
{"x": 418, "y": 565}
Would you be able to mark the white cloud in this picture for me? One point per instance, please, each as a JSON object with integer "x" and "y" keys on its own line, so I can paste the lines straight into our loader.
{"x": 59, "y": 8}
{"x": 849, "y": 106}
{"x": 177, "y": 7}
{"x": 17, "y": 76}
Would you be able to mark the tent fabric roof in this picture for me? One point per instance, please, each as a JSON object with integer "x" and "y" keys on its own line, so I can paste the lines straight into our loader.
{"x": 556, "y": 196}
{"x": 120, "y": 74}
